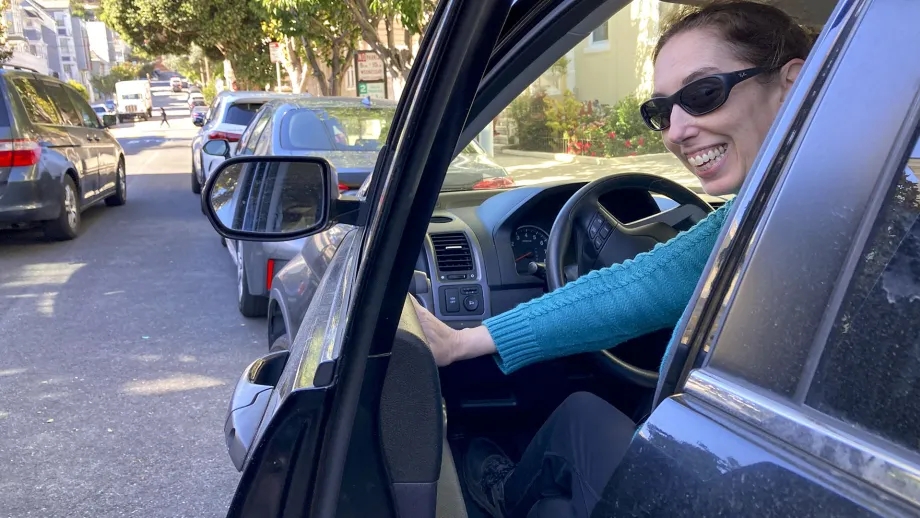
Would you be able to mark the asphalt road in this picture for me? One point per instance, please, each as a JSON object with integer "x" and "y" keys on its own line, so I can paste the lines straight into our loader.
{"x": 119, "y": 350}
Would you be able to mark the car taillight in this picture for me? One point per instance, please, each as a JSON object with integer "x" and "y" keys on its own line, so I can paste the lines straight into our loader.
{"x": 269, "y": 274}
{"x": 230, "y": 137}
{"x": 342, "y": 187}
{"x": 494, "y": 183}
{"x": 19, "y": 152}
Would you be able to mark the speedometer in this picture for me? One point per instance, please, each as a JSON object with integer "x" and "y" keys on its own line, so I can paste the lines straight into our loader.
{"x": 529, "y": 245}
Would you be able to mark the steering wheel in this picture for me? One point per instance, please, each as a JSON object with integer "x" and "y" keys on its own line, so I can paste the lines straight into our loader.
{"x": 602, "y": 240}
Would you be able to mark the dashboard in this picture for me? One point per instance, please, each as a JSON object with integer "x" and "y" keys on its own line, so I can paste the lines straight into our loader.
{"x": 481, "y": 246}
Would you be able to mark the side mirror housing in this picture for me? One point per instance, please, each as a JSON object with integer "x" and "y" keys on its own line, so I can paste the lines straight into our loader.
{"x": 217, "y": 147}
{"x": 109, "y": 120}
{"x": 198, "y": 121}
{"x": 275, "y": 198}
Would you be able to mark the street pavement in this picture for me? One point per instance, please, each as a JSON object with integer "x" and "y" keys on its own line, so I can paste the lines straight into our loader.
{"x": 119, "y": 350}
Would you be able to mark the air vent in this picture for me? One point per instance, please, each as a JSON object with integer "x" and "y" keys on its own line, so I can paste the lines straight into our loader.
{"x": 441, "y": 219}
{"x": 452, "y": 252}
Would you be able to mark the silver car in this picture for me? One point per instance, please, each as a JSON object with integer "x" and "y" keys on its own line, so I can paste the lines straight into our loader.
{"x": 349, "y": 133}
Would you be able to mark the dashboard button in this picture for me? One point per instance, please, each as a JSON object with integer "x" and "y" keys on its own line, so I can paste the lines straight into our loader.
{"x": 598, "y": 242}
{"x": 471, "y": 304}
{"x": 594, "y": 226}
{"x": 452, "y": 300}
{"x": 605, "y": 230}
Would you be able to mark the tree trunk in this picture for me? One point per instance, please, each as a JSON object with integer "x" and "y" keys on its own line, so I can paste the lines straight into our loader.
{"x": 317, "y": 71}
{"x": 207, "y": 71}
{"x": 229, "y": 75}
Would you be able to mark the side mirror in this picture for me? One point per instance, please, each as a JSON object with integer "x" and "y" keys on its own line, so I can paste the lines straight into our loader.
{"x": 109, "y": 120}
{"x": 198, "y": 121}
{"x": 270, "y": 198}
{"x": 218, "y": 147}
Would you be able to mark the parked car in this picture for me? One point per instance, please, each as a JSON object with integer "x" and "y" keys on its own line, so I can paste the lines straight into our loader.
{"x": 198, "y": 114}
{"x": 309, "y": 127}
{"x": 60, "y": 157}
{"x": 195, "y": 99}
{"x": 789, "y": 388}
{"x": 107, "y": 117}
{"x": 227, "y": 116}
{"x": 175, "y": 83}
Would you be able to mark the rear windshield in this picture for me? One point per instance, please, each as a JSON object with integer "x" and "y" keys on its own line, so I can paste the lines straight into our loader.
{"x": 4, "y": 117}
{"x": 131, "y": 96}
{"x": 241, "y": 113}
{"x": 343, "y": 128}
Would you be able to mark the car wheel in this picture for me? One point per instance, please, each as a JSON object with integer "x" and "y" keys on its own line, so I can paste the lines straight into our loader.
{"x": 196, "y": 185}
{"x": 120, "y": 196}
{"x": 67, "y": 225}
{"x": 250, "y": 305}
{"x": 282, "y": 343}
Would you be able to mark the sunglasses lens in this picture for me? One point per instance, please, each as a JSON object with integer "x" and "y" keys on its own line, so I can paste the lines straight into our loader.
{"x": 703, "y": 96}
{"x": 656, "y": 113}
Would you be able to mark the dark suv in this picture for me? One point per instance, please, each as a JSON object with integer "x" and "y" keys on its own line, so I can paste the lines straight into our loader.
{"x": 56, "y": 156}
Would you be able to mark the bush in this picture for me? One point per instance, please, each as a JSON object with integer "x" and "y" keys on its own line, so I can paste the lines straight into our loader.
{"x": 79, "y": 88}
{"x": 209, "y": 91}
{"x": 529, "y": 115}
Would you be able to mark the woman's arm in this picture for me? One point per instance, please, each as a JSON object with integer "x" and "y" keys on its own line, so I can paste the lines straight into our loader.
{"x": 601, "y": 309}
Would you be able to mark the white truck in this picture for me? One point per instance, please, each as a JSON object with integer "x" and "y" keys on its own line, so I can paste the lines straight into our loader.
{"x": 134, "y": 100}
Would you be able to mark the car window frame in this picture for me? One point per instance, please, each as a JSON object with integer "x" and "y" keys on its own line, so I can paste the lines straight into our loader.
{"x": 37, "y": 84}
{"x": 79, "y": 104}
{"x": 249, "y": 133}
{"x": 768, "y": 211}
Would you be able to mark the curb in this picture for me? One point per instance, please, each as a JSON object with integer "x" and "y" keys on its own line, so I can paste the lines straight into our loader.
{"x": 580, "y": 159}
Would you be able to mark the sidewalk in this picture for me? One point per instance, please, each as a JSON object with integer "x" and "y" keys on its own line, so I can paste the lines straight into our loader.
{"x": 531, "y": 167}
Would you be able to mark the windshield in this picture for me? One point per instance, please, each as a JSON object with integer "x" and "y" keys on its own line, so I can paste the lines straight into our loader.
{"x": 99, "y": 109}
{"x": 360, "y": 131}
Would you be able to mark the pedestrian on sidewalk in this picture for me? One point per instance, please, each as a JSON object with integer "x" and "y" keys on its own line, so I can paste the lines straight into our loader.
{"x": 163, "y": 114}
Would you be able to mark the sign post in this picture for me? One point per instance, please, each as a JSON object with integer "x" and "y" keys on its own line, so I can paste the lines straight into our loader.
{"x": 276, "y": 55}
{"x": 370, "y": 75}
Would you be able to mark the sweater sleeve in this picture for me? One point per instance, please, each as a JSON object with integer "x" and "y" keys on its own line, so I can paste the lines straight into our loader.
{"x": 607, "y": 307}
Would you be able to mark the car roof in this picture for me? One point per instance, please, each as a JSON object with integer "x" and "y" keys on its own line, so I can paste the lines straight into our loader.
{"x": 334, "y": 102}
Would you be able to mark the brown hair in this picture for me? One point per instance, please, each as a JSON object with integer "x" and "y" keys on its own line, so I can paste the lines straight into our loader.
{"x": 759, "y": 34}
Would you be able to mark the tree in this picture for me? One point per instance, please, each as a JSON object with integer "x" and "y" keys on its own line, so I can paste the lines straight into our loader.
{"x": 105, "y": 85}
{"x": 413, "y": 15}
{"x": 79, "y": 88}
{"x": 5, "y": 52}
{"x": 315, "y": 33}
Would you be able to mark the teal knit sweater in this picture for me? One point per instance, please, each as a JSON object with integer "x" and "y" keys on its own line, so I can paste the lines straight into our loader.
{"x": 609, "y": 306}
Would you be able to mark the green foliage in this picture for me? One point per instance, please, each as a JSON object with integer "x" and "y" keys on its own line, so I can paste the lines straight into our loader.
{"x": 582, "y": 128}
{"x": 79, "y": 88}
{"x": 529, "y": 115}
{"x": 77, "y": 10}
{"x": 5, "y": 52}
{"x": 105, "y": 85}
{"x": 209, "y": 91}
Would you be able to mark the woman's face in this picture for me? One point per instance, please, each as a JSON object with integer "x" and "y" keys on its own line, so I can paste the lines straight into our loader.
{"x": 736, "y": 129}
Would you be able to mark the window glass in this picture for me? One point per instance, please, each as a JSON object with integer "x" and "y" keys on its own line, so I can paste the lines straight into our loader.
{"x": 876, "y": 336}
{"x": 88, "y": 115}
{"x": 69, "y": 114}
{"x": 38, "y": 105}
{"x": 241, "y": 113}
{"x": 255, "y": 130}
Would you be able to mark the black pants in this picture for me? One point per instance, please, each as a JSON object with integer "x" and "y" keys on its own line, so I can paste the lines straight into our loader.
{"x": 568, "y": 463}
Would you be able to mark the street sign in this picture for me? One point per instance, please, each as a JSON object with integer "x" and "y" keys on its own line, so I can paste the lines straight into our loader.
{"x": 374, "y": 90}
{"x": 275, "y": 52}
{"x": 370, "y": 66}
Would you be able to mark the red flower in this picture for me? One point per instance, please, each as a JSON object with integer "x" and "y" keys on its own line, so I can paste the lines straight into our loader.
{"x": 593, "y": 153}
{"x": 612, "y": 135}
{"x": 628, "y": 143}
{"x": 633, "y": 154}
{"x": 641, "y": 141}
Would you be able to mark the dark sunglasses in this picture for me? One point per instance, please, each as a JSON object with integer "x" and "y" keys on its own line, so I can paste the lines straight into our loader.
{"x": 705, "y": 95}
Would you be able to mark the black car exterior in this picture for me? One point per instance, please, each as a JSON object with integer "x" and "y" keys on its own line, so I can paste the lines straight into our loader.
{"x": 791, "y": 388}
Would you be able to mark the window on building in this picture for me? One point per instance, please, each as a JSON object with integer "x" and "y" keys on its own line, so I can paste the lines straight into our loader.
{"x": 600, "y": 35}
{"x": 877, "y": 328}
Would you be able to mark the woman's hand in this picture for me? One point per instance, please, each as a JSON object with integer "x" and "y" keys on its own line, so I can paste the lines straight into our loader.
{"x": 448, "y": 344}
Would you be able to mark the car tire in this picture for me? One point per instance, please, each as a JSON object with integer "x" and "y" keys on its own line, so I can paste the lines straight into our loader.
{"x": 67, "y": 225}
{"x": 282, "y": 343}
{"x": 251, "y": 306}
{"x": 196, "y": 185}
{"x": 120, "y": 196}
